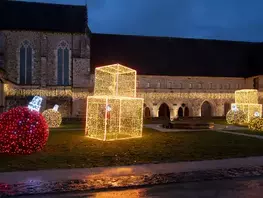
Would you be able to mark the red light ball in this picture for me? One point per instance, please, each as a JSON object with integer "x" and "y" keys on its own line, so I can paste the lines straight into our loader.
{"x": 22, "y": 131}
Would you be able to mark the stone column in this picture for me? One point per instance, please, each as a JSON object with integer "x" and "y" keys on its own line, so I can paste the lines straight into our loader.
{"x": 75, "y": 107}
{"x": 44, "y": 103}
{"x": 219, "y": 109}
{"x": 174, "y": 112}
{"x": 196, "y": 111}
{"x": 43, "y": 71}
{"x": 155, "y": 111}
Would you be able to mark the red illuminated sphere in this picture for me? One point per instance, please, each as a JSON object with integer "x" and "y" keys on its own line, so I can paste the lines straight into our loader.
{"x": 22, "y": 131}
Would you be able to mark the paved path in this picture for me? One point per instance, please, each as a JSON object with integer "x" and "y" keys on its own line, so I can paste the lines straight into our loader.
{"x": 242, "y": 134}
{"x": 218, "y": 128}
{"x": 247, "y": 188}
{"x": 86, "y": 173}
{"x": 158, "y": 127}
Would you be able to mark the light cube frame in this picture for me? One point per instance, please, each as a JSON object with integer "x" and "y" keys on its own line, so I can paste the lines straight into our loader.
{"x": 114, "y": 112}
{"x": 248, "y": 109}
{"x": 247, "y": 101}
{"x": 248, "y": 96}
{"x": 115, "y": 80}
{"x": 114, "y": 118}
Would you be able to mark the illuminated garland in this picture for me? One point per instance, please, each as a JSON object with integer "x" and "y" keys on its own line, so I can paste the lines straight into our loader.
{"x": 82, "y": 94}
{"x": 10, "y": 91}
{"x": 22, "y": 131}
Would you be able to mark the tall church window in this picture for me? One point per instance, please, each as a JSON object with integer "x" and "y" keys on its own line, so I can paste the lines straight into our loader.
{"x": 63, "y": 58}
{"x": 26, "y": 59}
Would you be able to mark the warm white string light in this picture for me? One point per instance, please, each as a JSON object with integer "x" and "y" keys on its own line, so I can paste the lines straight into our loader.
{"x": 114, "y": 112}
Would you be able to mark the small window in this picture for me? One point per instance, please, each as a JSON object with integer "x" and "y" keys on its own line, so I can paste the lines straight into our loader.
{"x": 210, "y": 85}
{"x": 158, "y": 85}
{"x": 220, "y": 86}
{"x": 148, "y": 85}
{"x": 169, "y": 85}
{"x": 138, "y": 83}
{"x": 190, "y": 86}
{"x": 181, "y": 85}
{"x": 200, "y": 85}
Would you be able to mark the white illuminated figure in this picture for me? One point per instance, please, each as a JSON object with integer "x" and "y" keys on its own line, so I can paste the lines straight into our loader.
{"x": 35, "y": 104}
{"x": 234, "y": 107}
{"x": 256, "y": 114}
{"x": 55, "y": 108}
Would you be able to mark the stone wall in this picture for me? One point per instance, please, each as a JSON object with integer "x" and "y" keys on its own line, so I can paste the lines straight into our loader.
{"x": 65, "y": 105}
{"x": 45, "y": 56}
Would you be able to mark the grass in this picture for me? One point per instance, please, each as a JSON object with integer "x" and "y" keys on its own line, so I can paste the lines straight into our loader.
{"x": 70, "y": 149}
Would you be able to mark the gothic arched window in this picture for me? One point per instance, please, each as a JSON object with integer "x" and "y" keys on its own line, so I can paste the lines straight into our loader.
{"x": 63, "y": 64}
{"x": 26, "y": 59}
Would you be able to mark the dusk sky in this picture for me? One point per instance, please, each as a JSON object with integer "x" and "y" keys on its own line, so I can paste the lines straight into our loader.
{"x": 213, "y": 19}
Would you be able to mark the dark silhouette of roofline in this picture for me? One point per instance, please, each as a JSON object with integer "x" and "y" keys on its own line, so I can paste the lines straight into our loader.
{"x": 171, "y": 56}
{"x": 38, "y": 16}
{"x": 176, "y": 37}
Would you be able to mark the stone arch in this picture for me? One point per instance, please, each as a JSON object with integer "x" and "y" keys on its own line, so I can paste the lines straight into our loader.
{"x": 227, "y": 107}
{"x": 164, "y": 111}
{"x": 180, "y": 112}
{"x": 186, "y": 111}
{"x": 147, "y": 112}
{"x": 148, "y": 104}
{"x": 206, "y": 110}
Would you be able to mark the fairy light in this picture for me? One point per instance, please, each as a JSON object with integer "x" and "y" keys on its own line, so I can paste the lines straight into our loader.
{"x": 114, "y": 112}
{"x": 35, "y": 104}
{"x": 53, "y": 117}
{"x": 81, "y": 94}
{"x": 115, "y": 80}
{"x": 23, "y": 129}
{"x": 256, "y": 124}
{"x": 246, "y": 100}
{"x": 236, "y": 117}
{"x": 247, "y": 96}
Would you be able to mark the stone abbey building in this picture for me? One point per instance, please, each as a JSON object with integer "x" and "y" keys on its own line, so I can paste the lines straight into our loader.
{"x": 48, "y": 50}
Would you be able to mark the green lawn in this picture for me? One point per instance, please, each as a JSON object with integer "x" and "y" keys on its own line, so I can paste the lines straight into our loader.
{"x": 70, "y": 149}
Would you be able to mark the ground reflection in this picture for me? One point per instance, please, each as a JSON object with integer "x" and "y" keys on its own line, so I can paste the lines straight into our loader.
{"x": 135, "y": 193}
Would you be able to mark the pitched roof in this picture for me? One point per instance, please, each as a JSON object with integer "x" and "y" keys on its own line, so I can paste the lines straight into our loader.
{"x": 17, "y": 15}
{"x": 177, "y": 56}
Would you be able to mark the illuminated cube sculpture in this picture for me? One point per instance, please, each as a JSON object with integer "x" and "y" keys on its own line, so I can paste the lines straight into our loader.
{"x": 115, "y": 80}
{"x": 114, "y": 112}
{"x": 247, "y": 101}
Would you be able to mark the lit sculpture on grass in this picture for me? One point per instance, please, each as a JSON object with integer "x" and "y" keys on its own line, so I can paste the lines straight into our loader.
{"x": 23, "y": 130}
{"x": 114, "y": 112}
{"x": 235, "y": 117}
{"x": 246, "y": 100}
{"x": 53, "y": 117}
